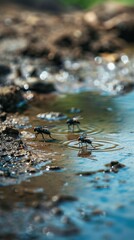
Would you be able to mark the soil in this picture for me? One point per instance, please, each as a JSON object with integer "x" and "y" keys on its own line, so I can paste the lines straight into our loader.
{"x": 31, "y": 41}
{"x": 106, "y": 28}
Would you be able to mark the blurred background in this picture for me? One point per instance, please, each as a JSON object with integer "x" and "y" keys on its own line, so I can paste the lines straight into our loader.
{"x": 59, "y": 5}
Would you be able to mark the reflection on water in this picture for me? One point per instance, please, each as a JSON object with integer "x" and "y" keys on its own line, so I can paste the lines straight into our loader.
{"x": 104, "y": 209}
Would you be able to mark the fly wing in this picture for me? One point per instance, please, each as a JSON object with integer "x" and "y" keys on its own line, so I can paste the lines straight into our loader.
{"x": 49, "y": 127}
{"x": 84, "y": 134}
{"x": 77, "y": 117}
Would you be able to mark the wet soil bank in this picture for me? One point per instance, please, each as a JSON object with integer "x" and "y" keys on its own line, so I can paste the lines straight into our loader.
{"x": 32, "y": 41}
{"x": 106, "y": 28}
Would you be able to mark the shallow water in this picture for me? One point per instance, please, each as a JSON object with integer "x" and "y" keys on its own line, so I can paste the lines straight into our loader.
{"x": 104, "y": 205}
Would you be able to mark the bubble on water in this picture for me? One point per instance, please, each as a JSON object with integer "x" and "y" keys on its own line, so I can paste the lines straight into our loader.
{"x": 111, "y": 66}
{"x": 44, "y": 75}
{"x": 124, "y": 59}
{"x": 98, "y": 60}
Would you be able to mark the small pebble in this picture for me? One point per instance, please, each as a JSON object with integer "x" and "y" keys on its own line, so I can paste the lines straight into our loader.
{"x": 63, "y": 198}
{"x": 52, "y": 168}
{"x": 31, "y": 170}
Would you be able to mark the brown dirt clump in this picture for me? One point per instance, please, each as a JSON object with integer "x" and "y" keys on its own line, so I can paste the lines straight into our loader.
{"x": 10, "y": 98}
{"x": 34, "y": 34}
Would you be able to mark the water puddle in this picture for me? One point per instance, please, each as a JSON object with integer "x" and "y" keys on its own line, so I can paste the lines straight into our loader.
{"x": 74, "y": 191}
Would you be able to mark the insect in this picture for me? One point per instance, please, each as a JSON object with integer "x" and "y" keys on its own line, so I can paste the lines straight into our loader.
{"x": 42, "y": 130}
{"x": 84, "y": 140}
{"x": 71, "y": 122}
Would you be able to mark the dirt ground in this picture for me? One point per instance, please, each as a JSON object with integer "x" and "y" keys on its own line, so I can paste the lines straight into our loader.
{"x": 26, "y": 33}
{"x": 30, "y": 39}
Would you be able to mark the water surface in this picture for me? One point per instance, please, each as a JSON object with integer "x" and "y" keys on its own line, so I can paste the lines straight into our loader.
{"x": 104, "y": 205}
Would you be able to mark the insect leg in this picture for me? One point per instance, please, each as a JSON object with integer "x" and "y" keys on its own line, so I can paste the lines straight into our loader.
{"x": 43, "y": 136}
{"x": 68, "y": 127}
{"x": 36, "y": 134}
{"x": 92, "y": 145}
{"x": 51, "y": 136}
{"x": 78, "y": 127}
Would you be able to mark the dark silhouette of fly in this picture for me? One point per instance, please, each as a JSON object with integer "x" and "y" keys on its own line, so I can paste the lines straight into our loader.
{"x": 42, "y": 130}
{"x": 72, "y": 122}
{"x": 83, "y": 140}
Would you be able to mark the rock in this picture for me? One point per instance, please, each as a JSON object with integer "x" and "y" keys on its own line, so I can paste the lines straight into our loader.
{"x": 4, "y": 70}
{"x": 5, "y": 74}
{"x": 63, "y": 198}
{"x": 1, "y": 173}
{"x": 13, "y": 45}
{"x": 3, "y": 116}
{"x": 37, "y": 85}
{"x": 98, "y": 212}
{"x": 115, "y": 164}
{"x": 124, "y": 24}
{"x": 107, "y": 43}
{"x": 52, "y": 168}
{"x": 89, "y": 173}
{"x": 32, "y": 170}
{"x": 35, "y": 51}
{"x": 9, "y": 131}
{"x": 52, "y": 116}
{"x": 10, "y": 98}
{"x": 63, "y": 232}
{"x": 57, "y": 211}
{"x": 11, "y": 149}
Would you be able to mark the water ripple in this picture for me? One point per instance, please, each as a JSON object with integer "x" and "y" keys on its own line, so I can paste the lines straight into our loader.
{"x": 100, "y": 145}
{"x": 63, "y": 130}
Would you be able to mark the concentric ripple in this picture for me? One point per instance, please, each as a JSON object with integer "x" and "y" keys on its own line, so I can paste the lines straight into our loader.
{"x": 99, "y": 145}
{"x": 63, "y": 129}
